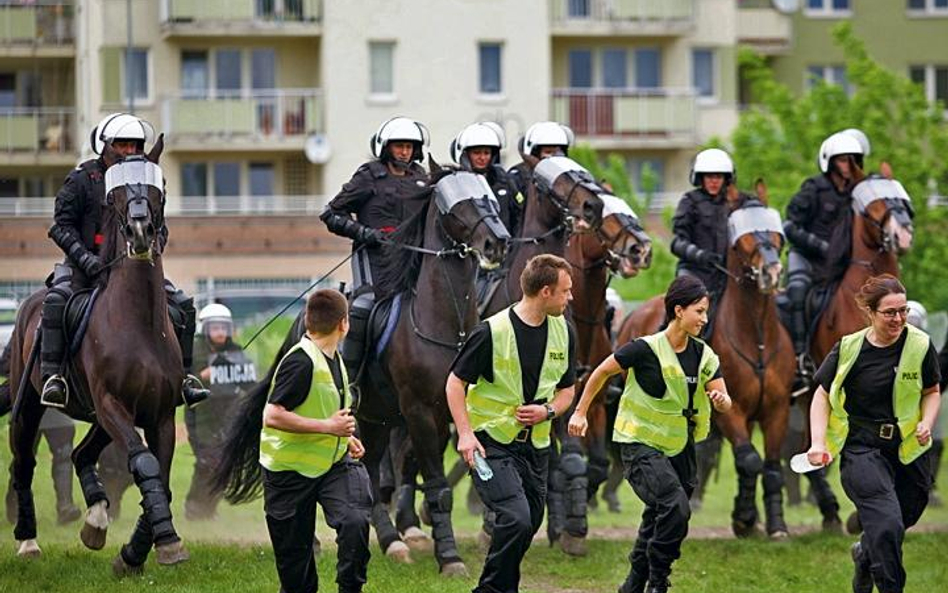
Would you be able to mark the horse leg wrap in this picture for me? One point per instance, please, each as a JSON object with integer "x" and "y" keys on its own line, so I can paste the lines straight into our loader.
{"x": 440, "y": 500}
{"x": 405, "y": 515}
{"x": 135, "y": 552}
{"x": 749, "y": 465}
{"x": 556, "y": 505}
{"x": 773, "y": 496}
{"x": 574, "y": 469}
{"x": 147, "y": 473}
{"x": 92, "y": 488}
{"x": 26, "y": 515}
{"x": 825, "y": 498}
{"x": 384, "y": 530}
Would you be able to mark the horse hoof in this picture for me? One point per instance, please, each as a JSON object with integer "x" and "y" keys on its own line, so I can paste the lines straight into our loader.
{"x": 95, "y": 529}
{"x": 399, "y": 552}
{"x": 417, "y": 540}
{"x": 572, "y": 545}
{"x": 28, "y": 548}
{"x": 173, "y": 553}
{"x": 778, "y": 535}
{"x": 833, "y": 525}
{"x": 483, "y": 540}
{"x": 743, "y": 529}
{"x": 454, "y": 569}
{"x": 122, "y": 569}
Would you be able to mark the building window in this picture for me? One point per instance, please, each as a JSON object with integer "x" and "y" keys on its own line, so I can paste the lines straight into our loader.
{"x": 580, "y": 68}
{"x": 194, "y": 74}
{"x": 927, "y": 7}
{"x": 228, "y": 76}
{"x": 703, "y": 72}
{"x": 261, "y": 186}
{"x": 7, "y": 90}
{"x": 647, "y": 174}
{"x": 381, "y": 67}
{"x": 194, "y": 179}
{"x": 829, "y": 74}
{"x": 577, "y": 8}
{"x": 648, "y": 68}
{"x": 227, "y": 179}
{"x": 490, "y": 68}
{"x": 135, "y": 74}
{"x": 614, "y": 69}
{"x": 831, "y": 8}
{"x": 934, "y": 81}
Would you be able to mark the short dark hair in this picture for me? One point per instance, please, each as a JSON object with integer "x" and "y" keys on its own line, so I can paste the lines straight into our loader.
{"x": 683, "y": 292}
{"x": 542, "y": 270}
{"x": 325, "y": 308}
{"x": 876, "y": 288}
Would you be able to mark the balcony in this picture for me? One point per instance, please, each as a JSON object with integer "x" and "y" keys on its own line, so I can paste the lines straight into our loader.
{"x": 37, "y": 136}
{"x": 628, "y": 118}
{"x": 278, "y": 119}
{"x": 44, "y": 28}
{"x": 241, "y": 18}
{"x": 249, "y": 205}
{"x": 763, "y": 28}
{"x": 646, "y": 18}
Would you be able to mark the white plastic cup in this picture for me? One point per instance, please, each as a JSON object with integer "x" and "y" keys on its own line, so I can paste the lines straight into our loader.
{"x": 801, "y": 464}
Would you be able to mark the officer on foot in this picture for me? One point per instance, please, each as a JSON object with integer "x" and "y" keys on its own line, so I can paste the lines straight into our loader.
{"x": 880, "y": 424}
{"x": 308, "y": 451}
{"x": 673, "y": 380}
{"x": 77, "y": 231}
{"x": 520, "y": 367}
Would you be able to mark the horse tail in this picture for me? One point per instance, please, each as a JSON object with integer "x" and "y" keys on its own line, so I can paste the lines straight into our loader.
{"x": 238, "y": 475}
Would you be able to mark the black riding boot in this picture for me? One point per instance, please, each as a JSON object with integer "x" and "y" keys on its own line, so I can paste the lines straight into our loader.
{"x": 53, "y": 347}
{"x": 353, "y": 347}
{"x": 182, "y": 313}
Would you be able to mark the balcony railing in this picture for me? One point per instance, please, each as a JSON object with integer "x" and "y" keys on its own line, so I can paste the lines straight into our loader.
{"x": 622, "y": 11}
{"x": 764, "y": 28}
{"x": 36, "y": 23}
{"x": 246, "y": 11}
{"x": 191, "y": 206}
{"x": 37, "y": 130}
{"x": 658, "y": 113}
{"x": 273, "y": 114}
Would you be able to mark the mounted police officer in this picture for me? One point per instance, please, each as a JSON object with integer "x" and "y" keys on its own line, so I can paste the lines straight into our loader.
{"x": 700, "y": 223}
{"x": 379, "y": 196}
{"x": 477, "y": 149}
{"x": 77, "y": 231}
{"x": 227, "y": 371}
{"x": 815, "y": 213}
{"x": 543, "y": 139}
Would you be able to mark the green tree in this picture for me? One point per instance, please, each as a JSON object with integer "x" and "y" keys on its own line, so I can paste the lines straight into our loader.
{"x": 778, "y": 139}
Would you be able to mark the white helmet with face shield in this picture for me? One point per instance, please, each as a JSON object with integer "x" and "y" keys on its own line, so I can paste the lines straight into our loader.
{"x": 482, "y": 134}
{"x": 547, "y": 133}
{"x": 121, "y": 126}
{"x": 399, "y": 129}
{"x": 215, "y": 313}
{"x": 712, "y": 160}
{"x": 839, "y": 144}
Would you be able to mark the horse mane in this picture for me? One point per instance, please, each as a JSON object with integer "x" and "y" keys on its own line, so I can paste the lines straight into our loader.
{"x": 110, "y": 245}
{"x": 400, "y": 267}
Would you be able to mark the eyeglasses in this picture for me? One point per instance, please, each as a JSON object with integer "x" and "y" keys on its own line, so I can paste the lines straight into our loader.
{"x": 891, "y": 313}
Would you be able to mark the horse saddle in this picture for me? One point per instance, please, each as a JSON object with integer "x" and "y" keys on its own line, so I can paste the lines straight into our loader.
{"x": 816, "y": 304}
{"x": 382, "y": 322}
{"x": 76, "y": 317}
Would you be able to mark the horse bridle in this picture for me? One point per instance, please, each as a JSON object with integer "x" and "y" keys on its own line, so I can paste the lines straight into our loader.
{"x": 137, "y": 208}
{"x": 567, "y": 220}
{"x": 892, "y": 206}
{"x": 768, "y": 251}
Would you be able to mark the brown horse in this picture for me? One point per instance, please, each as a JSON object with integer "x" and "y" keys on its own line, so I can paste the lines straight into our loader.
{"x": 126, "y": 373}
{"x": 881, "y": 231}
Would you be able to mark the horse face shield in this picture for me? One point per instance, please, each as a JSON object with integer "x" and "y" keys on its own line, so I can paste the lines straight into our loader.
{"x": 629, "y": 246}
{"x": 886, "y": 204}
{"x": 472, "y": 217}
{"x": 572, "y": 189}
{"x": 756, "y": 234}
{"x": 130, "y": 187}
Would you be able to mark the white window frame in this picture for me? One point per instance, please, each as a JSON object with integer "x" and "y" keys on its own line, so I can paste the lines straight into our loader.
{"x": 378, "y": 98}
{"x": 930, "y": 11}
{"x": 715, "y": 96}
{"x": 827, "y": 11}
{"x": 149, "y": 98}
{"x": 929, "y": 85}
{"x": 829, "y": 76}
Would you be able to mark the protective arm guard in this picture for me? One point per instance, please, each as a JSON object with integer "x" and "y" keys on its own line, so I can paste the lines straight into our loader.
{"x": 804, "y": 240}
{"x": 343, "y": 225}
{"x": 689, "y": 252}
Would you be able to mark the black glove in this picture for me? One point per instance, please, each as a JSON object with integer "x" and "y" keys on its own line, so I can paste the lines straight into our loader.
{"x": 370, "y": 237}
{"x": 709, "y": 258}
{"x": 820, "y": 246}
{"x": 90, "y": 264}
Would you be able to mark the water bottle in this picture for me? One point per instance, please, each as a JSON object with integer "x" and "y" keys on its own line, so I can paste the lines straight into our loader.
{"x": 484, "y": 472}
{"x": 801, "y": 465}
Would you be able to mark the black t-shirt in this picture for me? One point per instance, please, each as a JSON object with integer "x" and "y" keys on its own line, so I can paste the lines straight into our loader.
{"x": 475, "y": 359}
{"x": 870, "y": 382}
{"x": 295, "y": 376}
{"x": 640, "y": 357}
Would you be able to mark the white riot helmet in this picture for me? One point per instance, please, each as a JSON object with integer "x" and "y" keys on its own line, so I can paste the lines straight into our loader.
{"x": 547, "y": 133}
{"x": 917, "y": 315}
{"x": 120, "y": 126}
{"x": 838, "y": 144}
{"x": 862, "y": 138}
{"x": 399, "y": 129}
{"x": 485, "y": 133}
{"x": 215, "y": 313}
{"x": 712, "y": 160}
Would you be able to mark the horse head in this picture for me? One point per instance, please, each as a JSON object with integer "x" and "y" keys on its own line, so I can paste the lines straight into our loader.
{"x": 755, "y": 234}
{"x": 887, "y": 208}
{"x": 628, "y": 247}
{"x": 571, "y": 190}
{"x": 134, "y": 189}
{"x": 470, "y": 217}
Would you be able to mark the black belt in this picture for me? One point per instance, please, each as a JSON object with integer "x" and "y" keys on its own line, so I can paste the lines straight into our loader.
{"x": 524, "y": 435}
{"x": 886, "y": 431}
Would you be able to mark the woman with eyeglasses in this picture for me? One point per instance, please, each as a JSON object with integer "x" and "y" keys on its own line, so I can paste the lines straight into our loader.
{"x": 875, "y": 404}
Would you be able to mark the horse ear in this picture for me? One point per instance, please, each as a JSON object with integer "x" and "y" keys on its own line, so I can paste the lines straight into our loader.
{"x": 530, "y": 160}
{"x": 761, "y": 188}
{"x": 886, "y": 169}
{"x": 433, "y": 166}
{"x": 733, "y": 193}
{"x": 858, "y": 173}
{"x": 155, "y": 153}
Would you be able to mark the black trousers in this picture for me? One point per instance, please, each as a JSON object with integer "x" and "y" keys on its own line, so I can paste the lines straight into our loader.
{"x": 516, "y": 494}
{"x": 889, "y": 497}
{"x": 665, "y": 485}
{"x": 290, "y": 504}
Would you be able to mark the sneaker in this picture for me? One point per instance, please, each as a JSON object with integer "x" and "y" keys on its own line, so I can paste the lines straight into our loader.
{"x": 862, "y": 576}
{"x": 193, "y": 391}
{"x": 55, "y": 392}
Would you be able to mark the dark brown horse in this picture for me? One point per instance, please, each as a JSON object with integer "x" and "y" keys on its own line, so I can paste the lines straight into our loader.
{"x": 126, "y": 373}
{"x": 436, "y": 254}
{"x": 881, "y": 231}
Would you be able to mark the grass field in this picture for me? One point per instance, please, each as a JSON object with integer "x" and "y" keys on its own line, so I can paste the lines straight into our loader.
{"x": 233, "y": 553}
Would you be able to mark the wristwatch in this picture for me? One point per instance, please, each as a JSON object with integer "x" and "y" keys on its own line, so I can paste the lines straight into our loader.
{"x": 550, "y": 411}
